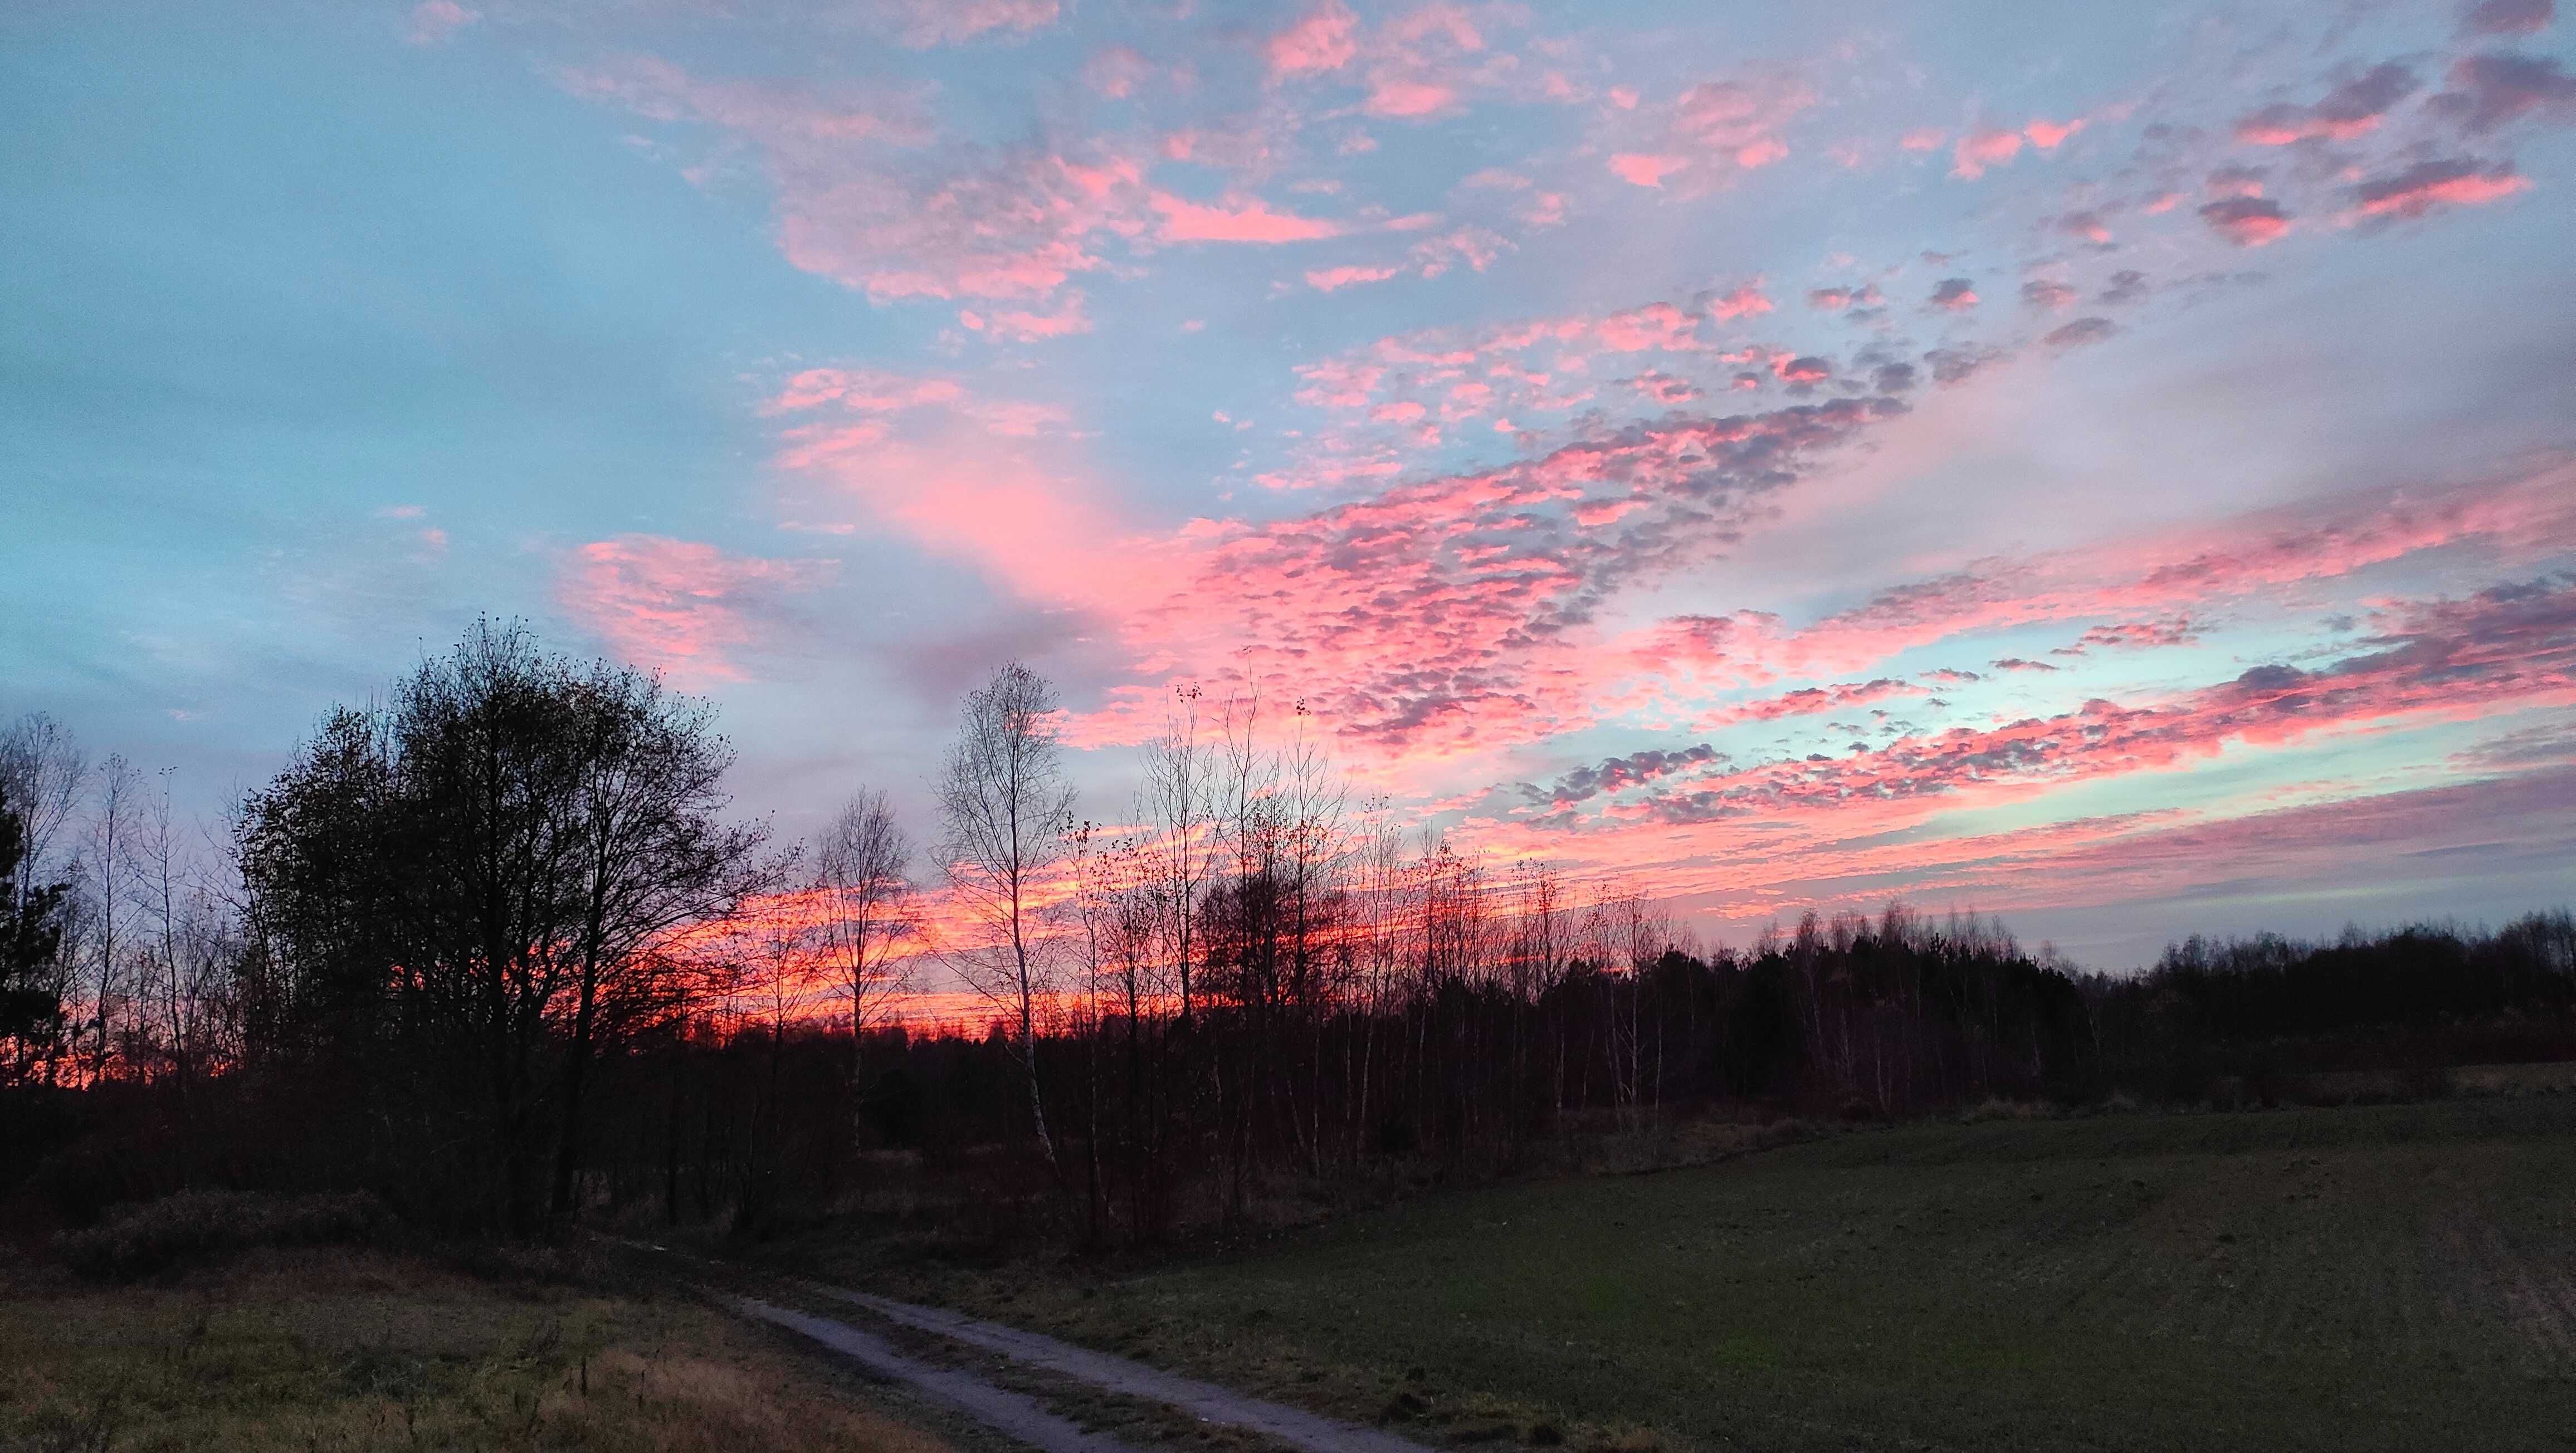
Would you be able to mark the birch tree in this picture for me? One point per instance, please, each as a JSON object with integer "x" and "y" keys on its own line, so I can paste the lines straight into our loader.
{"x": 1006, "y": 808}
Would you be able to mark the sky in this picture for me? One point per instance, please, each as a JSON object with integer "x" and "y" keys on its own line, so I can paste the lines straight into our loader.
{"x": 2113, "y": 467}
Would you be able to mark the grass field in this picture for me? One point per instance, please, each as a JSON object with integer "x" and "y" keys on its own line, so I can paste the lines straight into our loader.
{"x": 342, "y": 1350}
{"x": 2397, "y": 1277}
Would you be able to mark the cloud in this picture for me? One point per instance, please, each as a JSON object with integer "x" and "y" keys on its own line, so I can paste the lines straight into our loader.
{"x": 1117, "y": 71}
{"x": 2043, "y": 293}
{"x": 2524, "y": 515}
{"x": 678, "y": 605}
{"x": 925, "y": 23}
{"x": 1333, "y": 279}
{"x": 2131, "y": 635}
{"x": 1955, "y": 295}
{"x": 2247, "y": 221}
{"x": 1979, "y": 150}
{"x": 1811, "y": 700}
{"x": 1834, "y": 300}
{"x": 2493, "y": 90}
{"x": 1325, "y": 40}
{"x": 1646, "y": 169}
{"x": 2506, "y": 17}
{"x": 2421, "y": 188}
{"x": 1445, "y": 615}
{"x": 2080, "y": 332}
{"x": 2349, "y": 111}
{"x": 1025, "y": 326}
{"x": 435, "y": 22}
{"x": 1240, "y": 220}
{"x": 864, "y": 199}
{"x": 2049, "y": 135}
{"x": 1617, "y": 774}
{"x": 1715, "y": 130}
{"x": 1744, "y": 301}
{"x": 2508, "y": 647}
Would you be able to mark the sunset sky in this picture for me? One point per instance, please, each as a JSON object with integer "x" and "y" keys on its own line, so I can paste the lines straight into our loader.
{"x": 2114, "y": 469}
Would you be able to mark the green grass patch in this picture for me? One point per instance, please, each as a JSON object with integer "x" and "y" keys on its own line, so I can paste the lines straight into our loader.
{"x": 2383, "y": 1277}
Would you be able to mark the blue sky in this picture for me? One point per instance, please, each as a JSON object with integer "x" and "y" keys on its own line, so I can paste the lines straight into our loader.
{"x": 1628, "y": 432}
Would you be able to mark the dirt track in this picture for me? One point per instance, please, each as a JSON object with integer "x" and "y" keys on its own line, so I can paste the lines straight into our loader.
{"x": 1022, "y": 1417}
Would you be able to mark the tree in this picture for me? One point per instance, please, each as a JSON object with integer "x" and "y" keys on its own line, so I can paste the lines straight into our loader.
{"x": 31, "y": 936}
{"x": 649, "y": 788}
{"x": 1006, "y": 807}
{"x": 862, "y": 906}
{"x": 108, "y": 876}
{"x": 41, "y": 772}
{"x": 465, "y": 890}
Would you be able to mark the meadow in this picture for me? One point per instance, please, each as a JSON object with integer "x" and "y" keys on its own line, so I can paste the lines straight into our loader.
{"x": 2386, "y": 1276}
{"x": 350, "y": 1349}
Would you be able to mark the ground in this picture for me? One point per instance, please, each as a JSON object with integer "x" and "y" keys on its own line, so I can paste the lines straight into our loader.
{"x": 330, "y": 1350}
{"x": 2379, "y": 1277}
{"x": 2398, "y": 1277}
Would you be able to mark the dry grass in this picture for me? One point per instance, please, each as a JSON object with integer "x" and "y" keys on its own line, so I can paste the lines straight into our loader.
{"x": 349, "y": 1350}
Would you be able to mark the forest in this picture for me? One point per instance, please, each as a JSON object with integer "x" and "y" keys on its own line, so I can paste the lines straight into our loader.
{"x": 499, "y": 954}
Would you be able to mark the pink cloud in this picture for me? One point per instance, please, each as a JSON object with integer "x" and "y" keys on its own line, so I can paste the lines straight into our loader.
{"x": 1325, "y": 40}
{"x": 973, "y": 478}
{"x": 1012, "y": 223}
{"x": 1332, "y": 279}
{"x": 1645, "y": 169}
{"x": 2430, "y": 184}
{"x": 1834, "y": 300}
{"x": 2049, "y": 135}
{"x": 865, "y": 391}
{"x": 2247, "y": 221}
{"x": 1927, "y": 138}
{"x": 1410, "y": 97}
{"x": 1979, "y": 150}
{"x": 2511, "y": 646}
{"x": 679, "y": 605}
{"x": 2534, "y": 514}
{"x": 1663, "y": 388}
{"x": 1433, "y": 618}
{"x": 1745, "y": 301}
{"x": 1656, "y": 325}
{"x": 925, "y": 23}
{"x": 1246, "y": 220}
{"x": 1025, "y": 326}
{"x": 1954, "y": 295}
{"x": 1714, "y": 130}
{"x": 2349, "y": 111}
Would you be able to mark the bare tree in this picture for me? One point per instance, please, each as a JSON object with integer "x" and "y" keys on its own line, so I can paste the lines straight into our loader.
{"x": 41, "y": 772}
{"x": 863, "y": 910}
{"x": 1175, "y": 802}
{"x": 107, "y": 877}
{"x": 1006, "y": 807}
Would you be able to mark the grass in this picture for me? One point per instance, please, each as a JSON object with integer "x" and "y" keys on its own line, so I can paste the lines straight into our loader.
{"x": 328, "y": 1350}
{"x": 2397, "y": 1277}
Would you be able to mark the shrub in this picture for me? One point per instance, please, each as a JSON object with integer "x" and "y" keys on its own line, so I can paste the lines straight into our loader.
{"x": 199, "y": 1227}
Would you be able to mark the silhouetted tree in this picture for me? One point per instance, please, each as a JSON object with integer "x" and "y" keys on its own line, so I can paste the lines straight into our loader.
{"x": 1006, "y": 807}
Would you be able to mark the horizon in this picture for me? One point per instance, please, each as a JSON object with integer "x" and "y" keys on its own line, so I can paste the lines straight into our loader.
{"x": 2112, "y": 475}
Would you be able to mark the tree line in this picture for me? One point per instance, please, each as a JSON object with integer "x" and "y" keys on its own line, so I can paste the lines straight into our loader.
{"x": 498, "y": 950}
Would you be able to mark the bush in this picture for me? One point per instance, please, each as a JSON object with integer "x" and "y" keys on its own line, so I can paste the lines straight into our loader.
{"x": 198, "y": 1227}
